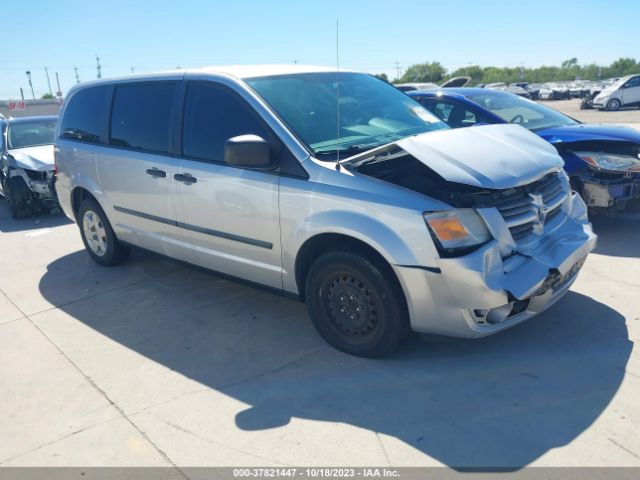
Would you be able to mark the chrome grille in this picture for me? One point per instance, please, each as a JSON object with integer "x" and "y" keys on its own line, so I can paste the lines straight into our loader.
{"x": 523, "y": 208}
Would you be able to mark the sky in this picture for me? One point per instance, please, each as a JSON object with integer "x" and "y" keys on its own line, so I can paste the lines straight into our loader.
{"x": 149, "y": 35}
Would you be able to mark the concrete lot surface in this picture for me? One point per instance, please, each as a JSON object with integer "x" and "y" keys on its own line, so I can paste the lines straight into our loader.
{"x": 154, "y": 363}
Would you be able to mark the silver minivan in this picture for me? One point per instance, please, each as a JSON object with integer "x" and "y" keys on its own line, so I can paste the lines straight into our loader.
{"x": 332, "y": 187}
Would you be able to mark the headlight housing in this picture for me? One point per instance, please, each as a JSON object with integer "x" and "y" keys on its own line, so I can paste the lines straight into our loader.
{"x": 457, "y": 231}
{"x": 610, "y": 161}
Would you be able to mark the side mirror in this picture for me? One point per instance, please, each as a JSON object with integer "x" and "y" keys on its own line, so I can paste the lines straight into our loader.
{"x": 248, "y": 151}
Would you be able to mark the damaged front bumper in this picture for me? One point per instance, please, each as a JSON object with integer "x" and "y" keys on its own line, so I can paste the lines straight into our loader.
{"x": 619, "y": 193}
{"x": 41, "y": 186}
{"x": 502, "y": 283}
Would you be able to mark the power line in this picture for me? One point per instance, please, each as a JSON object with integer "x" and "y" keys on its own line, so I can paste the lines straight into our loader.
{"x": 46, "y": 70}
{"x": 398, "y": 68}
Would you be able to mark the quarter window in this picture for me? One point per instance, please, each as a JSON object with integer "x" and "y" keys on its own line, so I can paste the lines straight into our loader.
{"x": 141, "y": 116}
{"x": 85, "y": 116}
{"x": 212, "y": 115}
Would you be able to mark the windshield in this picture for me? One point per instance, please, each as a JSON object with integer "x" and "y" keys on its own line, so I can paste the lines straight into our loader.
{"x": 31, "y": 134}
{"x": 519, "y": 110}
{"x": 371, "y": 112}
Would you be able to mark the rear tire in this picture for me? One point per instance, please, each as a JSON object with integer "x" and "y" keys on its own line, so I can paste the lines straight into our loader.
{"x": 97, "y": 235}
{"x": 19, "y": 198}
{"x": 356, "y": 304}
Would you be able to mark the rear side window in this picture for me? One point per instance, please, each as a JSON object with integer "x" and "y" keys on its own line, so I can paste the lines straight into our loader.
{"x": 212, "y": 115}
{"x": 85, "y": 116}
{"x": 141, "y": 116}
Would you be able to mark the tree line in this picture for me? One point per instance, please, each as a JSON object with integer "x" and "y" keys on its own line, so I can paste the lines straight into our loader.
{"x": 568, "y": 70}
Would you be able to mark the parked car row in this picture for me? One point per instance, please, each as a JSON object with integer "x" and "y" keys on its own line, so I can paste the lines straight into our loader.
{"x": 370, "y": 205}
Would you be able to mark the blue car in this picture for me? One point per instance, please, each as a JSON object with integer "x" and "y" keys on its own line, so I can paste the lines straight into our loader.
{"x": 603, "y": 161}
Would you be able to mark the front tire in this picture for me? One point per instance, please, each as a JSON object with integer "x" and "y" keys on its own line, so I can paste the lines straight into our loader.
{"x": 614, "y": 105}
{"x": 356, "y": 304}
{"x": 19, "y": 198}
{"x": 97, "y": 235}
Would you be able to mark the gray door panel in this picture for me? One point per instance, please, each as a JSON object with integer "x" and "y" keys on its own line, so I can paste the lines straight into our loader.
{"x": 229, "y": 219}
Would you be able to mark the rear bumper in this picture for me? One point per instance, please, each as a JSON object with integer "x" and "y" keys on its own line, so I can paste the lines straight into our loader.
{"x": 482, "y": 293}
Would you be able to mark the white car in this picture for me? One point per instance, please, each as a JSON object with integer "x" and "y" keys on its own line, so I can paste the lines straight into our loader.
{"x": 553, "y": 91}
{"x": 623, "y": 93}
{"x": 408, "y": 87}
{"x": 27, "y": 164}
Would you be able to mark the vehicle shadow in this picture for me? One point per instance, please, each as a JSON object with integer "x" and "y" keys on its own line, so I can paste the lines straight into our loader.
{"x": 502, "y": 401}
{"x": 9, "y": 224}
{"x": 617, "y": 236}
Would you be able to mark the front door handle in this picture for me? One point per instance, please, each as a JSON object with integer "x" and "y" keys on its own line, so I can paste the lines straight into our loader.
{"x": 156, "y": 172}
{"x": 185, "y": 178}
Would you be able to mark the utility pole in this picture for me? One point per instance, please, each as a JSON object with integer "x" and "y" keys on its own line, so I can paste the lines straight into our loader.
{"x": 397, "y": 70}
{"x": 28, "y": 72}
{"x": 59, "y": 92}
{"x": 521, "y": 71}
{"x": 75, "y": 69}
{"x": 21, "y": 94}
{"x": 295, "y": 62}
{"x": 98, "y": 66}
{"x": 133, "y": 70}
{"x": 46, "y": 70}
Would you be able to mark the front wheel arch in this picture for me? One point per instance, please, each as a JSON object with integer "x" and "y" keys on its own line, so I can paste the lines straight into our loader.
{"x": 322, "y": 243}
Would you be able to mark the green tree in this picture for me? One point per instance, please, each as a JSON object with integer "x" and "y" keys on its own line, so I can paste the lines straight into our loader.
{"x": 474, "y": 71}
{"x": 382, "y": 76}
{"x": 46, "y": 96}
{"x": 622, "y": 67}
{"x": 424, "y": 72}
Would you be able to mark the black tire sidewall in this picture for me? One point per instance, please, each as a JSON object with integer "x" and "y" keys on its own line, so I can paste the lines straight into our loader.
{"x": 18, "y": 197}
{"x": 614, "y": 101}
{"x": 111, "y": 256}
{"x": 393, "y": 325}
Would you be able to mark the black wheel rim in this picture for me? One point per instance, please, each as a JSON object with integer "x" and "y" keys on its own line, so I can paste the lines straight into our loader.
{"x": 352, "y": 306}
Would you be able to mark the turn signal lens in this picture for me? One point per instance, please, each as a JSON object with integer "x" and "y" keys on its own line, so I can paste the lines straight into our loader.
{"x": 448, "y": 228}
{"x": 457, "y": 229}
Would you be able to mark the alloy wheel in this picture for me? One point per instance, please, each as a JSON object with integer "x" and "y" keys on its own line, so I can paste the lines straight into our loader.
{"x": 94, "y": 233}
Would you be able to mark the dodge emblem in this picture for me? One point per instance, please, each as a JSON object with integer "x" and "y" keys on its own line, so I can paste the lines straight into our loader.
{"x": 541, "y": 212}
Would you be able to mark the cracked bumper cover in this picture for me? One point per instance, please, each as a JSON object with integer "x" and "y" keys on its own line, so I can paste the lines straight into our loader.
{"x": 444, "y": 303}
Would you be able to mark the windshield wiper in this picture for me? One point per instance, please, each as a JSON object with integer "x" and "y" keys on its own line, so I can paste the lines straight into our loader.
{"x": 350, "y": 150}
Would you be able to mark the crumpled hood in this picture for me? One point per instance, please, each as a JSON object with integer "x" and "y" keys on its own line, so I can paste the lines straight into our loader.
{"x": 38, "y": 158}
{"x": 488, "y": 156}
{"x": 582, "y": 132}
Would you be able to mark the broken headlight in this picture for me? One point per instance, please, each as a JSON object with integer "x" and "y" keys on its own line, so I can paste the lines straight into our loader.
{"x": 459, "y": 229}
{"x": 610, "y": 161}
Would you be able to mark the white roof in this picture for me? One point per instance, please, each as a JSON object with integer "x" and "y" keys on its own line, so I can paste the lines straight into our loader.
{"x": 248, "y": 71}
{"x": 237, "y": 71}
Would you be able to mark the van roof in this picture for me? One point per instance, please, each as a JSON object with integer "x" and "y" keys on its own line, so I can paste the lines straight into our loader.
{"x": 237, "y": 71}
{"x": 249, "y": 71}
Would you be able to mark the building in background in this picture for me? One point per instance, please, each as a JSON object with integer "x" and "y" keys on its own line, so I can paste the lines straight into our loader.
{"x": 27, "y": 108}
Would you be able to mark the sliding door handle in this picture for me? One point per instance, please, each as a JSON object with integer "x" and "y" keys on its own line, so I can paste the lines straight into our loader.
{"x": 156, "y": 172}
{"x": 185, "y": 178}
